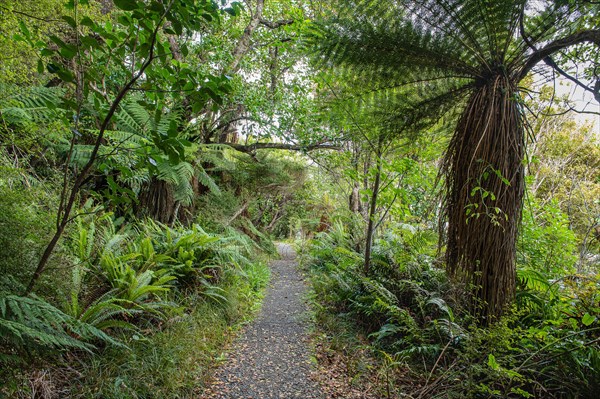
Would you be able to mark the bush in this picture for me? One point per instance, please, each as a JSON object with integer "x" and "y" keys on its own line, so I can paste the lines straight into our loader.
{"x": 25, "y": 225}
{"x": 177, "y": 359}
{"x": 546, "y": 244}
{"x": 168, "y": 294}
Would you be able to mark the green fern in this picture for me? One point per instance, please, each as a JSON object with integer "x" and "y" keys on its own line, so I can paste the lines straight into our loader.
{"x": 135, "y": 118}
{"x": 161, "y": 130}
{"x": 32, "y": 323}
{"x": 179, "y": 176}
{"x": 35, "y": 104}
{"x": 207, "y": 181}
{"x": 103, "y": 313}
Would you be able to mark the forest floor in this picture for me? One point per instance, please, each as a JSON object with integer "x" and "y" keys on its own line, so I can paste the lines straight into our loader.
{"x": 272, "y": 359}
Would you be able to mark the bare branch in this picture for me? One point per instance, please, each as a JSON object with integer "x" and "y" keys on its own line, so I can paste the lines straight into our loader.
{"x": 548, "y": 60}
{"x": 587, "y": 36}
{"x": 243, "y": 44}
{"x": 276, "y": 24}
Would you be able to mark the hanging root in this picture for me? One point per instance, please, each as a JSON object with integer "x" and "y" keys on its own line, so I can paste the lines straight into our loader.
{"x": 485, "y": 185}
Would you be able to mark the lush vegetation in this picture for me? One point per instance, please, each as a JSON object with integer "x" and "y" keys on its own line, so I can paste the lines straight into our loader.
{"x": 441, "y": 189}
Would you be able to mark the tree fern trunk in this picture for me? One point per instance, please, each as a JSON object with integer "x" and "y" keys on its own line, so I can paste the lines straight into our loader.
{"x": 156, "y": 201}
{"x": 485, "y": 186}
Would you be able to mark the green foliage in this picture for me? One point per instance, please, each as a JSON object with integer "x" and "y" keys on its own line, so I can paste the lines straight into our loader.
{"x": 546, "y": 244}
{"x": 399, "y": 302}
{"x": 510, "y": 360}
{"x": 132, "y": 282}
{"x": 546, "y": 347}
{"x": 177, "y": 360}
{"x": 25, "y": 223}
{"x": 172, "y": 292}
{"x": 22, "y": 107}
{"x": 32, "y": 324}
{"x": 564, "y": 163}
{"x": 115, "y": 275}
{"x": 192, "y": 255}
{"x": 35, "y": 19}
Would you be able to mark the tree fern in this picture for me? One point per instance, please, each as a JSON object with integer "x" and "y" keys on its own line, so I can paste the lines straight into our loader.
{"x": 206, "y": 180}
{"x": 426, "y": 58}
{"x": 219, "y": 156}
{"x": 179, "y": 176}
{"x": 163, "y": 131}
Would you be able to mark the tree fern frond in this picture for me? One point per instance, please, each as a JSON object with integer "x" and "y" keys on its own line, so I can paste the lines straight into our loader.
{"x": 220, "y": 157}
{"x": 207, "y": 181}
{"x": 126, "y": 138}
{"x": 136, "y": 179}
{"x": 179, "y": 177}
{"x": 168, "y": 124}
{"x": 134, "y": 118}
{"x": 34, "y": 104}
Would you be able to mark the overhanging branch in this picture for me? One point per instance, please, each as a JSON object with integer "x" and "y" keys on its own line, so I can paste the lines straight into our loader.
{"x": 251, "y": 148}
{"x": 587, "y": 36}
{"x": 548, "y": 60}
{"x": 276, "y": 24}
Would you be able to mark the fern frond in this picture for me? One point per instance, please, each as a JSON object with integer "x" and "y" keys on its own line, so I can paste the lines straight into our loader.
{"x": 134, "y": 118}
{"x": 33, "y": 322}
{"x": 34, "y": 104}
{"x": 207, "y": 181}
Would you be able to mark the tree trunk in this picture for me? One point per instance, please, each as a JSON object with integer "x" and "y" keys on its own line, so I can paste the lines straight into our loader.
{"x": 372, "y": 210}
{"x": 157, "y": 202}
{"x": 243, "y": 44}
{"x": 485, "y": 186}
{"x": 354, "y": 200}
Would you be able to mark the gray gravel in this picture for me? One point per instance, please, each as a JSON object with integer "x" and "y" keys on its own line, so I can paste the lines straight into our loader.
{"x": 272, "y": 359}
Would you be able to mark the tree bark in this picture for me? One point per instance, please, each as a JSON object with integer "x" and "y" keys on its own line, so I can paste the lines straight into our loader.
{"x": 244, "y": 43}
{"x": 251, "y": 148}
{"x": 373, "y": 209}
{"x": 587, "y": 36}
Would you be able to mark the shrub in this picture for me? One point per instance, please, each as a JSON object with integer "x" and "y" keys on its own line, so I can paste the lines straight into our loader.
{"x": 25, "y": 224}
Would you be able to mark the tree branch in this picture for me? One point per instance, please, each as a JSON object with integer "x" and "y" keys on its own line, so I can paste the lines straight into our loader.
{"x": 548, "y": 60}
{"x": 238, "y": 213}
{"x": 251, "y": 148}
{"x": 226, "y": 124}
{"x": 276, "y": 24}
{"x": 587, "y": 36}
{"x": 29, "y": 15}
{"x": 244, "y": 43}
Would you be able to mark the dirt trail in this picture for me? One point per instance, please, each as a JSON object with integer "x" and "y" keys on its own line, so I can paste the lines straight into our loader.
{"x": 272, "y": 359}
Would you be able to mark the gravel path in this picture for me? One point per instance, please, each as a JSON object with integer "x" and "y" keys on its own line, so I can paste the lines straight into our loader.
{"x": 272, "y": 359}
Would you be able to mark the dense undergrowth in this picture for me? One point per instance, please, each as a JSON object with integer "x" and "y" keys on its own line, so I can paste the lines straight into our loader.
{"x": 128, "y": 308}
{"x": 148, "y": 312}
{"x": 420, "y": 338}
{"x": 138, "y": 146}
